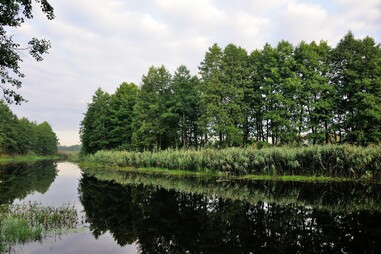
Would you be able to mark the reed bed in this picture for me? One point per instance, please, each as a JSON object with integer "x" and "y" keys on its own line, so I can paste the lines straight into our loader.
{"x": 31, "y": 222}
{"x": 329, "y": 160}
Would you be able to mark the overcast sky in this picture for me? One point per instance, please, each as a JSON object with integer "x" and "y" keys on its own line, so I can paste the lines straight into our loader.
{"x": 103, "y": 43}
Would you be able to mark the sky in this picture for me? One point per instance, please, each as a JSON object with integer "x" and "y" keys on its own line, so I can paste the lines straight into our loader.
{"x": 104, "y": 43}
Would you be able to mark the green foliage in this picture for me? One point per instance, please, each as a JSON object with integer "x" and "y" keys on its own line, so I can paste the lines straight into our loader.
{"x": 185, "y": 105}
{"x": 356, "y": 77}
{"x": 283, "y": 95}
{"x": 330, "y": 160}
{"x": 13, "y": 14}
{"x": 121, "y": 115}
{"x": 152, "y": 115}
{"x": 20, "y": 136}
{"x": 15, "y": 230}
{"x": 94, "y": 129}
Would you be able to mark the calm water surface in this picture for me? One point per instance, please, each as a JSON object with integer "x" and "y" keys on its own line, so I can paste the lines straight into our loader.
{"x": 55, "y": 184}
{"x": 152, "y": 215}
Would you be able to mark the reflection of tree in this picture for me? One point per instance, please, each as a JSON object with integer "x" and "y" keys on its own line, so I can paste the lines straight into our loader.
{"x": 174, "y": 222}
{"x": 100, "y": 198}
{"x": 18, "y": 180}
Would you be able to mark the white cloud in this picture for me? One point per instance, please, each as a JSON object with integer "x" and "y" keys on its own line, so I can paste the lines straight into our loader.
{"x": 362, "y": 17}
{"x": 304, "y": 21}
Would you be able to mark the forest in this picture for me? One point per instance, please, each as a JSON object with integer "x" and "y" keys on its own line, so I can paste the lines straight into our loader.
{"x": 280, "y": 95}
{"x": 21, "y": 136}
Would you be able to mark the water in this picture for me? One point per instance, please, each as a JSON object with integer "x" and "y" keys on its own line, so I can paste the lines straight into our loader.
{"x": 157, "y": 214}
{"x": 54, "y": 184}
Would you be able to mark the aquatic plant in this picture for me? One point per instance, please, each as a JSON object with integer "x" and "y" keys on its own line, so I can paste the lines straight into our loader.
{"x": 21, "y": 223}
{"x": 329, "y": 160}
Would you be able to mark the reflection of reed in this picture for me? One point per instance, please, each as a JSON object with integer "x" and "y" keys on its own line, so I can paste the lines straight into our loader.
{"x": 332, "y": 196}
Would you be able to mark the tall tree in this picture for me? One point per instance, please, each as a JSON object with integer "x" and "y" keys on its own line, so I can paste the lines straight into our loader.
{"x": 94, "y": 131}
{"x": 316, "y": 96}
{"x": 234, "y": 80}
{"x": 286, "y": 94}
{"x": 271, "y": 93}
{"x": 356, "y": 77}
{"x": 213, "y": 117}
{"x": 13, "y": 14}
{"x": 122, "y": 103}
{"x": 152, "y": 119}
{"x": 255, "y": 97}
{"x": 185, "y": 106}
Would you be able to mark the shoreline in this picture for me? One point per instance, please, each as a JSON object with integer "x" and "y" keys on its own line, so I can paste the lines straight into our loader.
{"x": 4, "y": 158}
{"x": 222, "y": 176}
{"x": 330, "y": 162}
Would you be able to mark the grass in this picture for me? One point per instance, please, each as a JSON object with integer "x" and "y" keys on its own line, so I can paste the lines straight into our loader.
{"x": 31, "y": 222}
{"x": 16, "y": 230}
{"x": 336, "y": 161}
{"x": 26, "y": 158}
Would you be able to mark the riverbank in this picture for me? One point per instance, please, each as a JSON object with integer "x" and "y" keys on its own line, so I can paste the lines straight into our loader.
{"x": 302, "y": 163}
{"x": 26, "y": 158}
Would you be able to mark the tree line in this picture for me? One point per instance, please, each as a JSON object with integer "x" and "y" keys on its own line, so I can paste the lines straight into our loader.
{"x": 21, "y": 136}
{"x": 281, "y": 94}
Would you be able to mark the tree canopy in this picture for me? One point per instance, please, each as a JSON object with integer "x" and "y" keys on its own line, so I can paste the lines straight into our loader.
{"x": 281, "y": 94}
{"x": 13, "y": 13}
{"x": 21, "y": 136}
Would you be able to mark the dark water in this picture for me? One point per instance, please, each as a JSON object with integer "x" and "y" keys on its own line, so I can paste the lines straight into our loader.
{"x": 152, "y": 214}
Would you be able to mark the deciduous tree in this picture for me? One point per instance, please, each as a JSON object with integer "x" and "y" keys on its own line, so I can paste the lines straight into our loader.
{"x": 13, "y": 14}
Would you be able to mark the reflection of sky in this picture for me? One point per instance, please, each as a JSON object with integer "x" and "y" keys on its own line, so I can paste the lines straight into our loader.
{"x": 64, "y": 190}
{"x": 77, "y": 243}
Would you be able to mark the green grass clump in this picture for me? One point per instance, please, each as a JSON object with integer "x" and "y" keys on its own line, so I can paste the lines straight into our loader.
{"x": 30, "y": 222}
{"x": 17, "y": 230}
{"x": 330, "y": 160}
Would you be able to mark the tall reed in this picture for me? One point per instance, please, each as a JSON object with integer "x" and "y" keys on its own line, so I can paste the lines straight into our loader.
{"x": 329, "y": 160}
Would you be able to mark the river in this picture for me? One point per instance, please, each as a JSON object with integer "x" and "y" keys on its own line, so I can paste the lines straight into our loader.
{"x": 153, "y": 214}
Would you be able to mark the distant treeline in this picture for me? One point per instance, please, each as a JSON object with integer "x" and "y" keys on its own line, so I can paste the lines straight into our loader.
{"x": 21, "y": 136}
{"x": 282, "y": 95}
{"x": 73, "y": 148}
